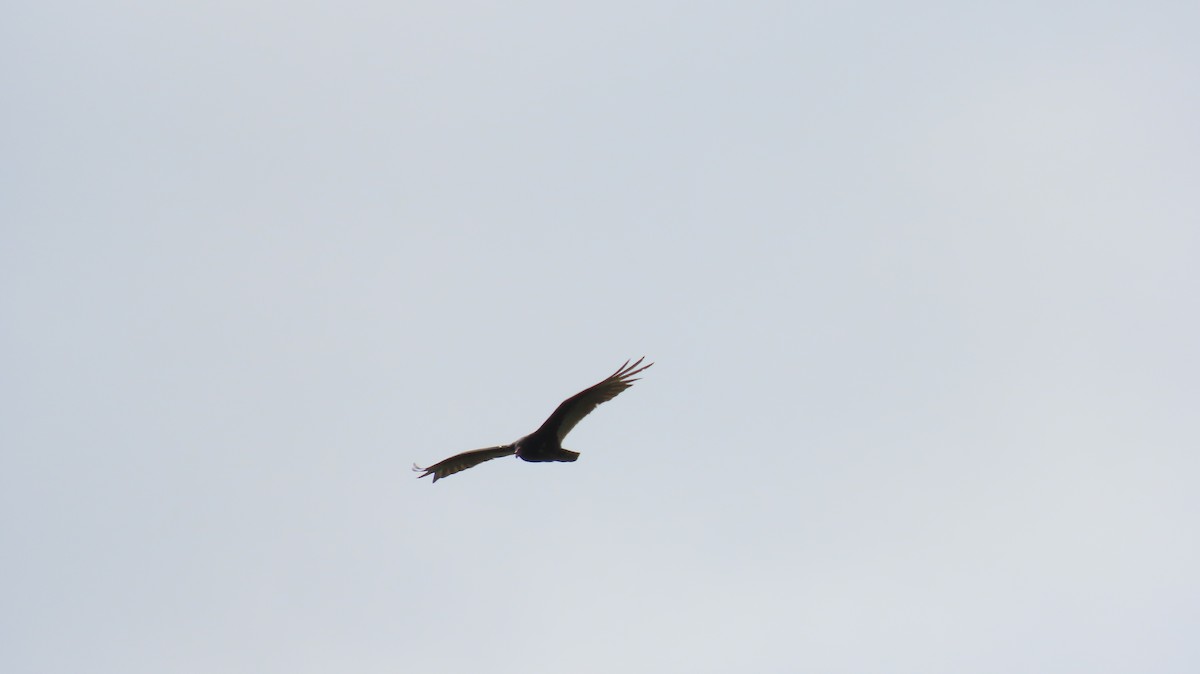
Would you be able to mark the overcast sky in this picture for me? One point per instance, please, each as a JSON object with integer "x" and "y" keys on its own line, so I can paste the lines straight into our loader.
{"x": 921, "y": 285}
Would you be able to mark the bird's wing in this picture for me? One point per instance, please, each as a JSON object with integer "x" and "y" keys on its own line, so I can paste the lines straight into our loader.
{"x": 461, "y": 462}
{"x": 581, "y": 404}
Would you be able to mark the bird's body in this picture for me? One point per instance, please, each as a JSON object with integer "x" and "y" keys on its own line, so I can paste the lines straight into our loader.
{"x": 537, "y": 447}
{"x": 545, "y": 444}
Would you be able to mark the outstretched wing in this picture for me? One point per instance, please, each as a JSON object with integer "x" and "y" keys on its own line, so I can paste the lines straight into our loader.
{"x": 461, "y": 462}
{"x": 581, "y": 404}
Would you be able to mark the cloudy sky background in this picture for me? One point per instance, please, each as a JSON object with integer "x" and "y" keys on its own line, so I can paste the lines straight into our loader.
{"x": 920, "y": 283}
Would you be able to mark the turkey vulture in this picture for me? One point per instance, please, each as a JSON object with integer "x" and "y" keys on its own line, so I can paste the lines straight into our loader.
{"x": 545, "y": 444}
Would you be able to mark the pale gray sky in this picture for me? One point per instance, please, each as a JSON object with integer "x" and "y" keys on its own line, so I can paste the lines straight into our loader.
{"x": 920, "y": 282}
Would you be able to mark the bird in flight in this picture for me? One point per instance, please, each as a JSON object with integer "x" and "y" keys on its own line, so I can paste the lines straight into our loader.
{"x": 545, "y": 444}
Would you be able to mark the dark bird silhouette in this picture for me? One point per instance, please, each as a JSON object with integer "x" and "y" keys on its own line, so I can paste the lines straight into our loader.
{"x": 545, "y": 444}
